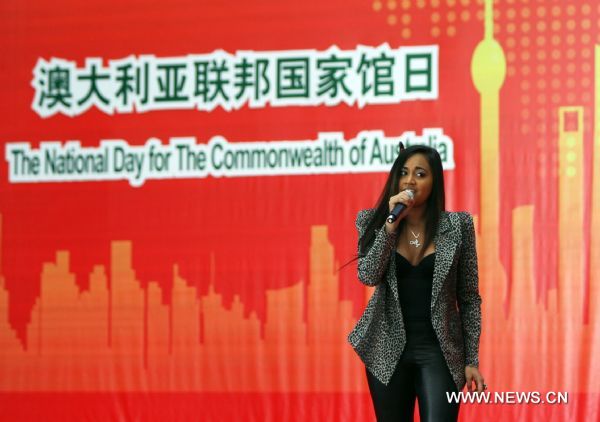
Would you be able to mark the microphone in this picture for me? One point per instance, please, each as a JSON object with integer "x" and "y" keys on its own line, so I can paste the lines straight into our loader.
{"x": 399, "y": 207}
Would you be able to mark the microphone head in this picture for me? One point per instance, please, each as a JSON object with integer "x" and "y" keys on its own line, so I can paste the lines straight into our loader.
{"x": 411, "y": 193}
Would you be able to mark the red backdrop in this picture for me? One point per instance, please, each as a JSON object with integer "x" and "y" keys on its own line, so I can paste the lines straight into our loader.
{"x": 218, "y": 298}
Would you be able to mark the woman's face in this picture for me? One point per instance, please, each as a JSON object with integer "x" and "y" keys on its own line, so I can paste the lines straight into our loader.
{"x": 416, "y": 175}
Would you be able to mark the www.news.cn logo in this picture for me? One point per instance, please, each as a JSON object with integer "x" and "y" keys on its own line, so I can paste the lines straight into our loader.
{"x": 509, "y": 397}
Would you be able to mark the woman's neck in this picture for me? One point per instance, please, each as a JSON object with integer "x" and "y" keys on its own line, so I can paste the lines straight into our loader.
{"x": 415, "y": 219}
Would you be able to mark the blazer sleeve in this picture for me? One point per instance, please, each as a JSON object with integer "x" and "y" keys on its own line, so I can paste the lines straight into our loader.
{"x": 373, "y": 264}
{"x": 468, "y": 298}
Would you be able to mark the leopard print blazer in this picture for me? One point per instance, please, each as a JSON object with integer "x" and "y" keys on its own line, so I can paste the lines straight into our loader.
{"x": 379, "y": 336}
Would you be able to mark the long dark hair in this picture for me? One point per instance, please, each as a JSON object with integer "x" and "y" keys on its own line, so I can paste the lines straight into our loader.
{"x": 436, "y": 203}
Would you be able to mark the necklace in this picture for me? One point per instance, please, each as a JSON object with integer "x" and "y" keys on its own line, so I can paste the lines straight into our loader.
{"x": 415, "y": 242}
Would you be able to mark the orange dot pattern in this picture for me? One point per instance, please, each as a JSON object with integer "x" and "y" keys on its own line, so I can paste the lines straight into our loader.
{"x": 446, "y": 20}
{"x": 549, "y": 49}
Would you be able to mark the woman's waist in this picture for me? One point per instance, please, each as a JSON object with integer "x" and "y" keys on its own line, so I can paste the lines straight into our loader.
{"x": 417, "y": 322}
{"x": 420, "y": 331}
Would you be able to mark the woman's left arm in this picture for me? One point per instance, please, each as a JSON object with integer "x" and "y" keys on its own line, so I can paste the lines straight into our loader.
{"x": 469, "y": 300}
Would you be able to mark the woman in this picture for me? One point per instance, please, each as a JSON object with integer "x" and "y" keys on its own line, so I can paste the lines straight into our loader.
{"x": 419, "y": 334}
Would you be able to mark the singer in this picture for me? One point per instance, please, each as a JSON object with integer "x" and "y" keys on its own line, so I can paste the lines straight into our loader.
{"x": 419, "y": 334}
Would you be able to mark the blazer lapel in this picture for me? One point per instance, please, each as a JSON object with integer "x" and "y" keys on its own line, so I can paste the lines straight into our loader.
{"x": 391, "y": 276}
{"x": 446, "y": 241}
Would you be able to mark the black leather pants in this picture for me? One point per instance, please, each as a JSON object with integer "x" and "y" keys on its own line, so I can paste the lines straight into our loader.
{"x": 421, "y": 372}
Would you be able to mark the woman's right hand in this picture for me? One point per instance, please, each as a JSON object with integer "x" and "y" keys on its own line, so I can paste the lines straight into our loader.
{"x": 404, "y": 198}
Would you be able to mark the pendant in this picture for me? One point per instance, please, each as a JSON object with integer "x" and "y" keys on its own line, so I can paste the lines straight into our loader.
{"x": 415, "y": 242}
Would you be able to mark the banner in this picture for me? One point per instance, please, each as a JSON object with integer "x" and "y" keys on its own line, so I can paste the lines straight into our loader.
{"x": 179, "y": 184}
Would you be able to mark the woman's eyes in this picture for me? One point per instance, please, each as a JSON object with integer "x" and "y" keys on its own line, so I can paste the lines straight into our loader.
{"x": 420, "y": 174}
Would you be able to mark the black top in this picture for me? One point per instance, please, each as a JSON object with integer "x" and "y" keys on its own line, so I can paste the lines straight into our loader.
{"x": 414, "y": 287}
